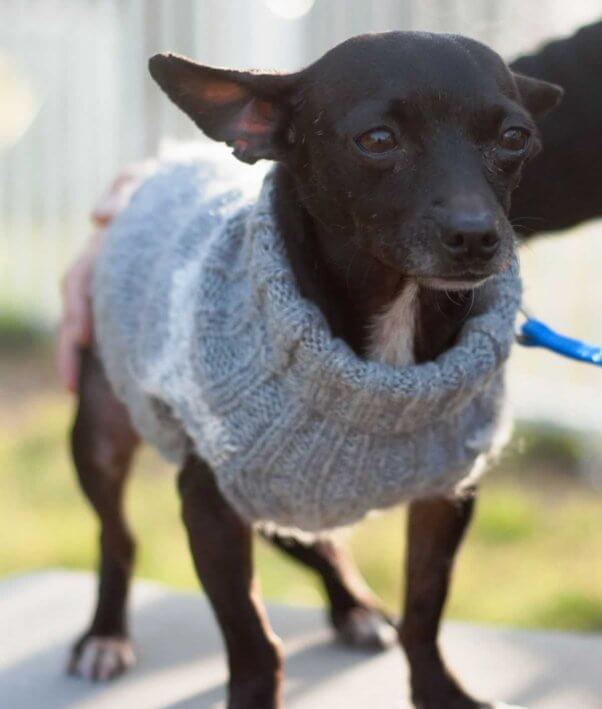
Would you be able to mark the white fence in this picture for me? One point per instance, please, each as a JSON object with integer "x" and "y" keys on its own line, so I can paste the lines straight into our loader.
{"x": 76, "y": 104}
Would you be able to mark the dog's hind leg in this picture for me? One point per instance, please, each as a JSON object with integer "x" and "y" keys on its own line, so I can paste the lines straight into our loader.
{"x": 354, "y": 611}
{"x": 103, "y": 443}
{"x": 436, "y": 528}
{"x": 221, "y": 545}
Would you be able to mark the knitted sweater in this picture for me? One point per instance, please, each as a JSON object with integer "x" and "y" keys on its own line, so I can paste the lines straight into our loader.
{"x": 205, "y": 337}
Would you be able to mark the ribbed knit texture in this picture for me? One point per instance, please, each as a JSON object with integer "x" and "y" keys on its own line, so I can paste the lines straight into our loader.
{"x": 205, "y": 337}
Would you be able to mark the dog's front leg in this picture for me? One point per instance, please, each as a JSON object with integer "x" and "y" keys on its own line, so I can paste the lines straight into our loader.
{"x": 221, "y": 545}
{"x": 435, "y": 530}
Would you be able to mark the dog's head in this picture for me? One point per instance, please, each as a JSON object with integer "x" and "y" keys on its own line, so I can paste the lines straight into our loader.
{"x": 407, "y": 144}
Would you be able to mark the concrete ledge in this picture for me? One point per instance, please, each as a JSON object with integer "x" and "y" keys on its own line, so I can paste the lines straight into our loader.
{"x": 181, "y": 664}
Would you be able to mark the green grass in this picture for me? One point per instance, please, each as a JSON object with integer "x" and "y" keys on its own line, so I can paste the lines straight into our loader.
{"x": 17, "y": 333}
{"x": 532, "y": 557}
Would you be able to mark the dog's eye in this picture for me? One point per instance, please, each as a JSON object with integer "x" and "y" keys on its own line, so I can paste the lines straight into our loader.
{"x": 377, "y": 140}
{"x": 514, "y": 139}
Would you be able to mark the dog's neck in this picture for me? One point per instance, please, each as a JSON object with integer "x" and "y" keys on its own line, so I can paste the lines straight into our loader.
{"x": 380, "y": 314}
{"x": 393, "y": 333}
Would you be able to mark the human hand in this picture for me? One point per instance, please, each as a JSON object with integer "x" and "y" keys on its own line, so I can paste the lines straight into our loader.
{"x": 76, "y": 326}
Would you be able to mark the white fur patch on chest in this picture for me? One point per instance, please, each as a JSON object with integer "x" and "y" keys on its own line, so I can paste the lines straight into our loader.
{"x": 392, "y": 332}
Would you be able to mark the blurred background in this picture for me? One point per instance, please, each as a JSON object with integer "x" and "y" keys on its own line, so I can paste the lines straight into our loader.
{"x": 76, "y": 105}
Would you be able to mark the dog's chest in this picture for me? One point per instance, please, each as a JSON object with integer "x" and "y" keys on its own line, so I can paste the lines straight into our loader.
{"x": 393, "y": 331}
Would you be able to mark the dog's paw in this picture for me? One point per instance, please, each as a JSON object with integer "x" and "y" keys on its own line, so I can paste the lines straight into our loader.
{"x": 366, "y": 628}
{"x": 100, "y": 658}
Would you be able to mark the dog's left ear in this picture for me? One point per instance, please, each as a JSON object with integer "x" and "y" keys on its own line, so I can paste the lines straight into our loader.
{"x": 248, "y": 111}
{"x": 537, "y": 96}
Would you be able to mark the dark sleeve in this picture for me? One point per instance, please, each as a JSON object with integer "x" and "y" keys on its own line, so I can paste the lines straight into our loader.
{"x": 562, "y": 186}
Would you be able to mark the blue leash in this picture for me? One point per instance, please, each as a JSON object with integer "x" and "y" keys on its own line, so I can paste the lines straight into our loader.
{"x": 533, "y": 333}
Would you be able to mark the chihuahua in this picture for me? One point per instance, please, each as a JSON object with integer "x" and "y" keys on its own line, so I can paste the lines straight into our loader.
{"x": 396, "y": 156}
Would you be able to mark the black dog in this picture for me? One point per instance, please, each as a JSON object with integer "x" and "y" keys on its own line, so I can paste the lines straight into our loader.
{"x": 397, "y": 155}
{"x": 562, "y": 187}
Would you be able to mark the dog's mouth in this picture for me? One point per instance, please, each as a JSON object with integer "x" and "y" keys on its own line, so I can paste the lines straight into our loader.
{"x": 468, "y": 280}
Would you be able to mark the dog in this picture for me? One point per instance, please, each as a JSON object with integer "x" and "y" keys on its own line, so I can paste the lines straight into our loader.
{"x": 396, "y": 155}
{"x": 561, "y": 187}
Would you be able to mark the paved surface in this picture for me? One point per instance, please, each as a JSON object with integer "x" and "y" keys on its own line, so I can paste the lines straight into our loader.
{"x": 181, "y": 665}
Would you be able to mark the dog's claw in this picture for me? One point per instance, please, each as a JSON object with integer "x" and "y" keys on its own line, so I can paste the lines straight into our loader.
{"x": 367, "y": 628}
{"x": 100, "y": 659}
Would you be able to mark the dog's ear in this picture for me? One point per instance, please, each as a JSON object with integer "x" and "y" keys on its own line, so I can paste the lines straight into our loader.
{"x": 248, "y": 111}
{"x": 538, "y": 96}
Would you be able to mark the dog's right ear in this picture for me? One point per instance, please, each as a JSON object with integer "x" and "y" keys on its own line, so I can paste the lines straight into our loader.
{"x": 246, "y": 110}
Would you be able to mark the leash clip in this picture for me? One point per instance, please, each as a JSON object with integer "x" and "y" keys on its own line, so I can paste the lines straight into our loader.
{"x": 534, "y": 333}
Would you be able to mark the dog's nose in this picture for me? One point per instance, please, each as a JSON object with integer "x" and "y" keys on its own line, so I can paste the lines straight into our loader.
{"x": 469, "y": 235}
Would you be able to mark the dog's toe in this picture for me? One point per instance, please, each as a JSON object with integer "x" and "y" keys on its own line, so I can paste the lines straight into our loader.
{"x": 100, "y": 659}
{"x": 367, "y": 628}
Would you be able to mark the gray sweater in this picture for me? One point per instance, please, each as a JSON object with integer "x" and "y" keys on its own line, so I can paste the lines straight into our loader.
{"x": 205, "y": 337}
